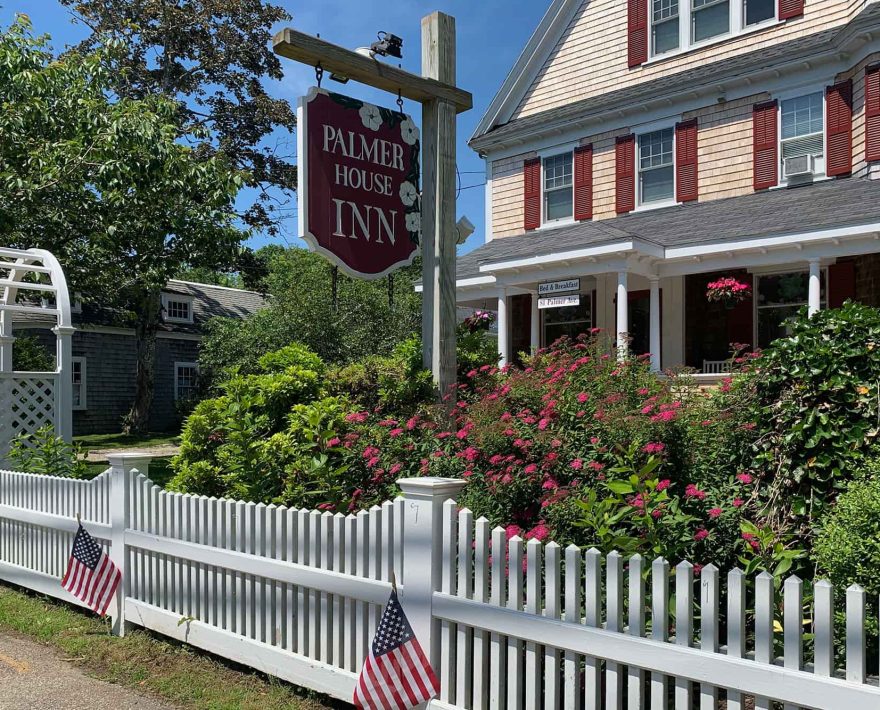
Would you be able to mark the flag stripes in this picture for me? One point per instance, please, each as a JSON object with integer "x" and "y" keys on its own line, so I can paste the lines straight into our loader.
{"x": 91, "y": 577}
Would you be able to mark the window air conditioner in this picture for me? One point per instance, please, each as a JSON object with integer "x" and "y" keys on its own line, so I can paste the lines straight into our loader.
{"x": 798, "y": 166}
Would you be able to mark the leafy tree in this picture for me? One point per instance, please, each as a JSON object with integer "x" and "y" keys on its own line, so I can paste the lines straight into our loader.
{"x": 301, "y": 309}
{"x": 212, "y": 55}
{"x": 107, "y": 185}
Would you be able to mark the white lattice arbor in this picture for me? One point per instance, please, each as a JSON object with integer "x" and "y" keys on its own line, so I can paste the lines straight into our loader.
{"x": 33, "y": 289}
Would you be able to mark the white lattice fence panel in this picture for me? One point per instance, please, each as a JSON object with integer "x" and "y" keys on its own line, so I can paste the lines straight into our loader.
{"x": 29, "y": 406}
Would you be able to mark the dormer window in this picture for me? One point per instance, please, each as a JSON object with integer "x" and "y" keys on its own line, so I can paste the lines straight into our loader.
{"x": 177, "y": 309}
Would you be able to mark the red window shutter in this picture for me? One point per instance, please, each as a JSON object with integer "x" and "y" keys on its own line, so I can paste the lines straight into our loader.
{"x": 638, "y": 32}
{"x": 532, "y": 193}
{"x": 838, "y": 110}
{"x": 841, "y": 283}
{"x": 583, "y": 182}
{"x": 686, "y": 173}
{"x": 766, "y": 145}
{"x": 872, "y": 113}
{"x": 790, "y": 8}
{"x": 625, "y": 190}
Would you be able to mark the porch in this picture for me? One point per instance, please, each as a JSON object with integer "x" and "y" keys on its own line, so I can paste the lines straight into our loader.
{"x": 650, "y": 271}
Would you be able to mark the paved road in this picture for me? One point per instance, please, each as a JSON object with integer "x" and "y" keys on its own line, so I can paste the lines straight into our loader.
{"x": 33, "y": 677}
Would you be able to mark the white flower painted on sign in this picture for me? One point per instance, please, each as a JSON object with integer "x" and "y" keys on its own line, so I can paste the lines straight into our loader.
{"x": 409, "y": 132}
{"x": 408, "y": 194}
{"x": 414, "y": 222}
{"x": 370, "y": 116}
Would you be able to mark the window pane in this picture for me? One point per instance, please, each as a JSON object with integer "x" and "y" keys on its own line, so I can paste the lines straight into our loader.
{"x": 802, "y": 116}
{"x": 655, "y": 149}
{"x": 571, "y": 314}
{"x": 558, "y": 204}
{"x": 759, "y": 10}
{"x": 657, "y": 184}
{"x": 666, "y": 36}
{"x": 786, "y": 289}
{"x": 711, "y": 21}
{"x": 557, "y": 171}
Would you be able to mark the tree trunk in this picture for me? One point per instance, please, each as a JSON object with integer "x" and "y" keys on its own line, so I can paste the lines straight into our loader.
{"x": 148, "y": 311}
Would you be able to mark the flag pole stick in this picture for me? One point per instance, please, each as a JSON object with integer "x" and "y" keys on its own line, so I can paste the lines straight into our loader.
{"x": 78, "y": 521}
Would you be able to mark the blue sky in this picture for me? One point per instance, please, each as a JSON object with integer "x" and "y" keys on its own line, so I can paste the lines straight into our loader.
{"x": 491, "y": 34}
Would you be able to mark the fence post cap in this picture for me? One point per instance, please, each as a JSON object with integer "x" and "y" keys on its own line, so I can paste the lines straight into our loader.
{"x": 430, "y": 487}
{"x": 128, "y": 459}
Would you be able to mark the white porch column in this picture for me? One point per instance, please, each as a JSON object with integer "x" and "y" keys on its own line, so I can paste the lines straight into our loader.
{"x": 6, "y": 341}
{"x": 654, "y": 317}
{"x": 64, "y": 385}
{"x": 814, "y": 301}
{"x": 536, "y": 325}
{"x": 503, "y": 327}
{"x": 622, "y": 314}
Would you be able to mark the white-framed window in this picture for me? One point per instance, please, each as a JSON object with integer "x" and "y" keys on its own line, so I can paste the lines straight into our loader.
{"x": 78, "y": 378}
{"x": 656, "y": 166}
{"x": 802, "y": 130}
{"x": 177, "y": 309}
{"x": 778, "y": 298}
{"x": 557, "y": 182}
{"x": 569, "y": 321}
{"x": 186, "y": 380}
{"x": 680, "y": 25}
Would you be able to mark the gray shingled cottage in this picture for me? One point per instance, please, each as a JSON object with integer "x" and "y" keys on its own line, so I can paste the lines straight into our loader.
{"x": 104, "y": 357}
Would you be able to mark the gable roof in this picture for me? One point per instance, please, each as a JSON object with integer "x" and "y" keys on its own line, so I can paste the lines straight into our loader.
{"x": 760, "y": 215}
{"x": 537, "y": 50}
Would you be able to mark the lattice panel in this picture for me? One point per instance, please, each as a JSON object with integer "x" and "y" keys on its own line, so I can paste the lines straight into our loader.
{"x": 30, "y": 406}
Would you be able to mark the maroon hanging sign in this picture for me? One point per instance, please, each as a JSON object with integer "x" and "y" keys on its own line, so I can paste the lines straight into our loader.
{"x": 358, "y": 180}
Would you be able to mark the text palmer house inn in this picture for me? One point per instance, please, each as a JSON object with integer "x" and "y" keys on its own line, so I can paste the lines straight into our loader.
{"x": 640, "y": 150}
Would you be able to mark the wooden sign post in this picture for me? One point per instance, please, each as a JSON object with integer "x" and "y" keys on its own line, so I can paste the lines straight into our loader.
{"x": 441, "y": 102}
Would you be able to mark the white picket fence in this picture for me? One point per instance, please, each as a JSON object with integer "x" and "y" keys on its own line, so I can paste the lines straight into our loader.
{"x": 298, "y": 593}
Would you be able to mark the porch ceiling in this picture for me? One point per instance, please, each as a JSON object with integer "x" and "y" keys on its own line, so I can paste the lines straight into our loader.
{"x": 827, "y": 219}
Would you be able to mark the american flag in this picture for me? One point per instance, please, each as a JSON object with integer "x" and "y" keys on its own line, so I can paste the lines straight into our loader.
{"x": 91, "y": 577}
{"x": 396, "y": 674}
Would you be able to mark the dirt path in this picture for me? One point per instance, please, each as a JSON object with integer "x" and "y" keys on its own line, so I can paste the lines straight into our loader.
{"x": 33, "y": 677}
{"x": 157, "y": 451}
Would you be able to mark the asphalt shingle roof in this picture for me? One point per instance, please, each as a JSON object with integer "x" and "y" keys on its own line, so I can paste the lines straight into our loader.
{"x": 824, "y": 205}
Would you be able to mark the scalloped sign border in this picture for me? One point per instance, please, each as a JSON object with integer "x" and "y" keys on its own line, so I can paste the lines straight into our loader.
{"x": 358, "y": 183}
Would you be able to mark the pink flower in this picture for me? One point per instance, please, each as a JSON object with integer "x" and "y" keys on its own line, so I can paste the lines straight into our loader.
{"x": 715, "y": 512}
{"x": 654, "y": 447}
{"x": 335, "y": 441}
{"x": 550, "y": 485}
{"x": 531, "y": 468}
{"x": 471, "y": 454}
{"x": 512, "y": 531}
{"x": 412, "y": 423}
{"x": 691, "y": 491}
{"x": 577, "y": 464}
{"x": 395, "y": 469}
{"x": 596, "y": 466}
{"x": 395, "y": 432}
{"x": 663, "y": 485}
{"x": 357, "y": 417}
{"x": 738, "y": 502}
{"x": 373, "y": 462}
{"x": 744, "y": 478}
{"x": 583, "y": 397}
{"x": 461, "y": 434}
{"x": 540, "y": 532}
{"x": 701, "y": 534}
{"x": 643, "y": 391}
{"x": 543, "y": 424}
{"x": 656, "y": 514}
{"x": 388, "y": 423}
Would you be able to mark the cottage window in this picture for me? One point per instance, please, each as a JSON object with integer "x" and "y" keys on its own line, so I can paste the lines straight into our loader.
{"x": 664, "y": 25}
{"x": 757, "y": 11}
{"x": 178, "y": 309}
{"x": 569, "y": 321}
{"x": 779, "y": 298}
{"x": 710, "y": 18}
{"x": 558, "y": 187}
{"x": 78, "y": 378}
{"x": 802, "y": 128}
{"x": 186, "y": 380}
{"x": 656, "y": 171}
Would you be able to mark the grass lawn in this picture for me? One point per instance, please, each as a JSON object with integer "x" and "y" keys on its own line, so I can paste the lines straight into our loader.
{"x": 160, "y": 470}
{"x": 176, "y": 673}
{"x": 91, "y": 442}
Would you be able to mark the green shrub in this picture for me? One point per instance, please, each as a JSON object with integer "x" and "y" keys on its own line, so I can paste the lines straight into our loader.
{"x": 45, "y": 454}
{"x": 847, "y": 547}
{"x": 30, "y": 355}
{"x": 817, "y": 406}
{"x": 293, "y": 355}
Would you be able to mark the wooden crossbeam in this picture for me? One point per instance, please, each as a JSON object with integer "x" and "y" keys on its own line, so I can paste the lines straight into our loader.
{"x": 310, "y": 50}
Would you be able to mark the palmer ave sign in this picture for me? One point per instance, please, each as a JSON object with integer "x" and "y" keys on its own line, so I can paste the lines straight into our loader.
{"x": 358, "y": 183}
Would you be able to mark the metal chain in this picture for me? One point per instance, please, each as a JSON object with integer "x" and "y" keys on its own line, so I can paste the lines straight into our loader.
{"x": 400, "y": 102}
{"x": 319, "y": 73}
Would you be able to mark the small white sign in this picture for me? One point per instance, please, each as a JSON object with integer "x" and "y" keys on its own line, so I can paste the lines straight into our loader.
{"x": 548, "y": 289}
{"x": 559, "y": 302}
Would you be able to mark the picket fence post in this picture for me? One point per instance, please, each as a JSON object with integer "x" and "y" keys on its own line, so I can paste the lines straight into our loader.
{"x": 423, "y": 555}
{"x": 121, "y": 467}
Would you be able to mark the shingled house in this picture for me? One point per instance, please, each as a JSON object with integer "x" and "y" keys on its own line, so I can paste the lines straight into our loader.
{"x": 642, "y": 149}
{"x": 104, "y": 356}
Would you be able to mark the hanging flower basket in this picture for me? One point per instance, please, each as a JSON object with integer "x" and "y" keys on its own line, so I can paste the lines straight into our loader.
{"x": 479, "y": 321}
{"x": 728, "y": 291}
